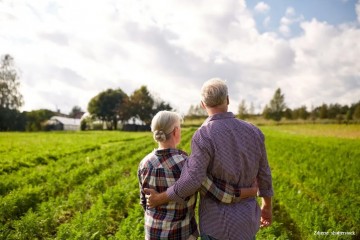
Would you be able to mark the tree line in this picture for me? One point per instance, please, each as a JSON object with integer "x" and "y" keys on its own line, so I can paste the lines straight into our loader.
{"x": 277, "y": 110}
{"x": 113, "y": 106}
{"x": 108, "y": 107}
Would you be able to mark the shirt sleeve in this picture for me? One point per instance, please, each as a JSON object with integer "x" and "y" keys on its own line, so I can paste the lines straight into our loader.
{"x": 264, "y": 178}
{"x": 141, "y": 176}
{"x": 194, "y": 170}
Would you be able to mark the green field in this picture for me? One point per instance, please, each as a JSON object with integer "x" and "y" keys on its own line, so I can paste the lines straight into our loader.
{"x": 83, "y": 185}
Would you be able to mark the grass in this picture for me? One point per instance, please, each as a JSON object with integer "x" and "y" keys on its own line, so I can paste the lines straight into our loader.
{"x": 61, "y": 185}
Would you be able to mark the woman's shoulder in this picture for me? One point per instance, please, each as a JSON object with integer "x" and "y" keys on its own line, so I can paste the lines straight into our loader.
{"x": 148, "y": 161}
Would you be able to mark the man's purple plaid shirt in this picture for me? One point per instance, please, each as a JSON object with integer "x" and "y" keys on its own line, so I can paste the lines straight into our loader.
{"x": 232, "y": 151}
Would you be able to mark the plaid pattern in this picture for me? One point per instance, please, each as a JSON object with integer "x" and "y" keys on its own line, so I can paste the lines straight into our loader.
{"x": 159, "y": 170}
{"x": 234, "y": 151}
{"x": 220, "y": 190}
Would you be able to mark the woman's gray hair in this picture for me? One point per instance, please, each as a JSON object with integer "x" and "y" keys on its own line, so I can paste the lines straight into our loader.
{"x": 214, "y": 92}
{"x": 163, "y": 123}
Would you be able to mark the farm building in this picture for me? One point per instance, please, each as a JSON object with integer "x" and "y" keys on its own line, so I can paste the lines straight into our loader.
{"x": 63, "y": 123}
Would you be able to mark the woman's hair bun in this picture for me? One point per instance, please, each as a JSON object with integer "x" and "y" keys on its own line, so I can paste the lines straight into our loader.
{"x": 159, "y": 136}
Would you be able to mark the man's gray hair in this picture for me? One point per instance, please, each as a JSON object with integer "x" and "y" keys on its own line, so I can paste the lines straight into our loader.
{"x": 214, "y": 92}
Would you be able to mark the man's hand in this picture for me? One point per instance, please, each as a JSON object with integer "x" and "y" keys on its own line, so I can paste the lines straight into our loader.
{"x": 154, "y": 198}
{"x": 266, "y": 213}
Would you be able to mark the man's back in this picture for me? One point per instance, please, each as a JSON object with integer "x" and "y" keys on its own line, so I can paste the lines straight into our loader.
{"x": 234, "y": 151}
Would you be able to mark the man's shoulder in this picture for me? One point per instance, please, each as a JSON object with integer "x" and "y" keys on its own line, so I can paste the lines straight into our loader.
{"x": 252, "y": 128}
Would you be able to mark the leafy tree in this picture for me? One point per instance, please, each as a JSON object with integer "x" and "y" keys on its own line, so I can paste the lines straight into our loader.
{"x": 196, "y": 111}
{"x": 277, "y": 105}
{"x": 334, "y": 110}
{"x": 141, "y": 104}
{"x": 75, "y": 112}
{"x": 10, "y": 97}
{"x": 242, "y": 110}
{"x": 106, "y": 105}
{"x": 288, "y": 114}
{"x": 266, "y": 112}
{"x": 12, "y": 120}
{"x": 356, "y": 114}
{"x": 252, "y": 109}
{"x": 160, "y": 106}
{"x": 301, "y": 113}
{"x": 323, "y": 113}
{"x": 36, "y": 118}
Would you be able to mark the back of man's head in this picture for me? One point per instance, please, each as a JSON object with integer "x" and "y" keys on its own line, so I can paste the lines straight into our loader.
{"x": 214, "y": 92}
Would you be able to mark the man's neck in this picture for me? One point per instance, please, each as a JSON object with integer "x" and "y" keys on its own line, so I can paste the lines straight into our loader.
{"x": 215, "y": 110}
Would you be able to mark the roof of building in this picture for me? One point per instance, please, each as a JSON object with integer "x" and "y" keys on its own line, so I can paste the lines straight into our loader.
{"x": 67, "y": 121}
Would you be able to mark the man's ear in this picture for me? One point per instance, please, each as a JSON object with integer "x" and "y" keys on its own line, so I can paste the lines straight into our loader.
{"x": 203, "y": 105}
{"x": 227, "y": 99}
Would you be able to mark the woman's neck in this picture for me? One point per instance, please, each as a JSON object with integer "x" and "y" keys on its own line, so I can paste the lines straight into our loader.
{"x": 166, "y": 145}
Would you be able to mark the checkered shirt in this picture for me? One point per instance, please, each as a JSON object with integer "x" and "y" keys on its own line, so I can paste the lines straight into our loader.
{"x": 159, "y": 170}
{"x": 233, "y": 152}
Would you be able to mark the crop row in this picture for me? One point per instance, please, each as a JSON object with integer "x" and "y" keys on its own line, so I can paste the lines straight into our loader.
{"x": 80, "y": 196}
{"x": 89, "y": 188}
{"x": 17, "y": 202}
{"x": 41, "y": 174}
{"x": 316, "y": 184}
{"x": 28, "y": 150}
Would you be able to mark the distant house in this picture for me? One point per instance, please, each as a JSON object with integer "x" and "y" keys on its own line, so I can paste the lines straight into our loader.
{"x": 63, "y": 123}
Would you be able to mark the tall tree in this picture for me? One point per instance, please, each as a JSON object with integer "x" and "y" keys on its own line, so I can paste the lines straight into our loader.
{"x": 196, "y": 111}
{"x": 277, "y": 105}
{"x": 356, "y": 114}
{"x": 106, "y": 105}
{"x": 323, "y": 111}
{"x": 252, "y": 109}
{"x": 75, "y": 112}
{"x": 10, "y": 97}
{"x": 142, "y": 103}
{"x": 35, "y": 119}
{"x": 242, "y": 110}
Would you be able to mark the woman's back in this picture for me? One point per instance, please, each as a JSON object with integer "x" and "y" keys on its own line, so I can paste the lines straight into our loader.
{"x": 160, "y": 170}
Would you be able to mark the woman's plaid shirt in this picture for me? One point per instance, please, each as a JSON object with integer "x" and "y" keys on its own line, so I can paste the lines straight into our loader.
{"x": 159, "y": 170}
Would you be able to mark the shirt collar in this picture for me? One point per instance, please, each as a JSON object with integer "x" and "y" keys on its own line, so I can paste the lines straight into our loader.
{"x": 219, "y": 116}
{"x": 167, "y": 151}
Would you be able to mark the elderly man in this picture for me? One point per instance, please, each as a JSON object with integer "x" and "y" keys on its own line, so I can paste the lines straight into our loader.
{"x": 232, "y": 153}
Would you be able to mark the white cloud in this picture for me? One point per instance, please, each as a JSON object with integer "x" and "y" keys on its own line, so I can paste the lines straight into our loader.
{"x": 357, "y": 9}
{"x": 325, "y": 68}
{"x": 289, "y": 19}
{"x": 266, "y": 21}
{"x": 68, "y": 53}
{"x": 262, "y": 7}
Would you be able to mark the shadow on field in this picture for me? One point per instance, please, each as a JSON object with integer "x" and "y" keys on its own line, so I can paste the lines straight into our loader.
{"x": 281, "y": 216}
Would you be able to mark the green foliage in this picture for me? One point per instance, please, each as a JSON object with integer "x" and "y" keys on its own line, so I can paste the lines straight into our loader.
{"x": 75, "y": 112}
{"x": 142, "y": 104}
{"x": 196, "y": 112}
{"x": 242, "y": 110}
{"x": 276, "y": 107}
{"x": 105, "y": 106}
{"x": 12, "y": 120}
{"x": 10, "y": 97}
{"x": 35, "y": 119}
{"x": 84, "y": 185}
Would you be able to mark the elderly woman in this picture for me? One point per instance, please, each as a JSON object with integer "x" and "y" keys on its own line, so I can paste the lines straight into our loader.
{"x": 159, "y": 170}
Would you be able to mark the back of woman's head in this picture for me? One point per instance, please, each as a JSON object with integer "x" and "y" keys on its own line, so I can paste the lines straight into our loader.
{"x": 163, "y": 123}
{"x": 214, "y": 92}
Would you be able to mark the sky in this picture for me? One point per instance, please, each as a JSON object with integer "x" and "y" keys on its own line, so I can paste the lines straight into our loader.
{"x": 69, "y": 51}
